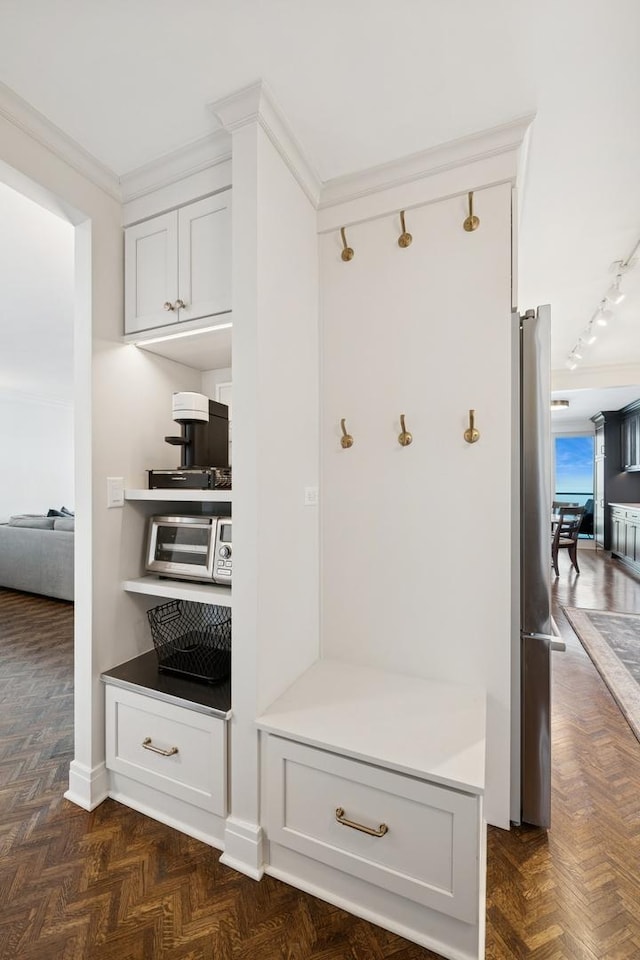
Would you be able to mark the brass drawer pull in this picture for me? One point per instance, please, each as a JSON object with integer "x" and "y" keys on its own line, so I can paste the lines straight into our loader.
{"x": 147, "y": 744}
{"x": 380, "y": 832}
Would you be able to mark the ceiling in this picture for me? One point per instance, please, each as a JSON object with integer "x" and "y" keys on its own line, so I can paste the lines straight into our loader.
{"x": 366, "y": 81}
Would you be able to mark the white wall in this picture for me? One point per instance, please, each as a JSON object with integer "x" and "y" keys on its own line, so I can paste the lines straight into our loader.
{"x": 36, "y": 357}
{"x": 416, "y": 541}
{"x": 211, "y": 379}
{"x": 36, "y": 455}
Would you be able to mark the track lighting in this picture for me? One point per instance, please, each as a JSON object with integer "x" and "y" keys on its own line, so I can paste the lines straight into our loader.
{"x": 603, "y": 314}
{"x": 614, "y": 294}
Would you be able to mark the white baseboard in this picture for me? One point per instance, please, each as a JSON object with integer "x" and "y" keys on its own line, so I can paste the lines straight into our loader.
{"x": 445, "y": 935}
{"x": 243, "y": 848}
{"x": 195, "y": 822}
{"x": 88, "y": 786}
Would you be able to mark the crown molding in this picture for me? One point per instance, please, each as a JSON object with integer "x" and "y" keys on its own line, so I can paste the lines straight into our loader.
{"x": 607, "y": 375}
{"x": 582, "y": 425}
{"x": 503, "y": 139}
{"x": 22, "y": 115}
{"x": 256, "y": 104}
{"x": 174, "y": 166}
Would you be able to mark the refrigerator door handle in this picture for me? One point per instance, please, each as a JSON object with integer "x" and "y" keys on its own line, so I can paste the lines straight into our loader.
{"x": 554, "y": 642}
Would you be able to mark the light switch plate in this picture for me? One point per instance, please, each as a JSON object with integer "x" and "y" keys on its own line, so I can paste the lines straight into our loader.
{"x": 311, "y": 496}
{"x": 115, "y": 491}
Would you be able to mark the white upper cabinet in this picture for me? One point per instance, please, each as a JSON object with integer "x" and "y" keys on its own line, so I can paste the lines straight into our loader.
{"x": 178, "y": 265}
{"x": 204, "y": 257}
{"x": 151, "y": 272}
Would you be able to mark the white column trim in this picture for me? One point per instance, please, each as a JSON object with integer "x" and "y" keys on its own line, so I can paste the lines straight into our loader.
{"x": 256, "y": 104}
{"x": 88, "y": 787}
{"x": 243, "y": 847}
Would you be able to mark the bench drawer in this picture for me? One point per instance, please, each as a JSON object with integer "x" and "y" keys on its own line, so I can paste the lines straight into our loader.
{"x": 429, "y": 851}
{"x": 179, "y": 751}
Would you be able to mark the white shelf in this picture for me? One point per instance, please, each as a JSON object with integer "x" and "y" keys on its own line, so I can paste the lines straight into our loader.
{"x": 177, "y": 590}
{"x": 180, "y": 496}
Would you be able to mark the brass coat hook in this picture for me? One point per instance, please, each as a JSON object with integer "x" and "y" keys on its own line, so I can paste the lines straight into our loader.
{"x": 346, "y": 440}
{"x": 472, "y": 222}
{"x": 347, "y": 251}
{"x": 404, "y": 438}
{"x": 404, "y": 240}
{"x": 471, "y": 435}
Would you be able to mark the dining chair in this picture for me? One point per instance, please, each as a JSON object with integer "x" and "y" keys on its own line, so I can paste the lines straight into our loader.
{"x": 557, "y": 505}
{"x": 565, "y": 535}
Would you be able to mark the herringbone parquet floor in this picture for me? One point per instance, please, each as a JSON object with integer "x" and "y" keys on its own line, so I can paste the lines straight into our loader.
{"x": 115, "y": 885}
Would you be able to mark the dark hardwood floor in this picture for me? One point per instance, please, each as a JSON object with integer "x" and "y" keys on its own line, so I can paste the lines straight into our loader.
{"x": 574, "y": 893}
{"x": 115, "y": 885}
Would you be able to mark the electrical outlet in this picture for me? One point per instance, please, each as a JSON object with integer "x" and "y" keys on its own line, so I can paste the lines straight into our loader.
{"x": 115, "y": 491}
{"x": 311, "y": 496}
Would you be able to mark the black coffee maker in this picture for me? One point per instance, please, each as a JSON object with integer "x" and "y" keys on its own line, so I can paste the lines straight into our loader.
{"x": 204, "y": 438}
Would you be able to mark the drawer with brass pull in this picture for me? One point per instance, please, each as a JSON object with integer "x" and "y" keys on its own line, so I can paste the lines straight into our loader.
{"x": 178, "y": 751}
{"x": 412, "y": 837}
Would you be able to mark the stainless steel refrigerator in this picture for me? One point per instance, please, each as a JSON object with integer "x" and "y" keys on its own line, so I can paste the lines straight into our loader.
{"x": 536, "y": 635}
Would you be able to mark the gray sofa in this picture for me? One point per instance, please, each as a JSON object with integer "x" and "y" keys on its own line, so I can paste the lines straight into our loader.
{"x": 36, "y": 555}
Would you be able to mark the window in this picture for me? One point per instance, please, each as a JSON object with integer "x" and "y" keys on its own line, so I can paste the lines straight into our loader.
{"x": 574, "y": 469}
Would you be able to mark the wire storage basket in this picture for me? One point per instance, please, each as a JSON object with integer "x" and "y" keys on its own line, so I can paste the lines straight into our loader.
{"x": 192, "y": 639}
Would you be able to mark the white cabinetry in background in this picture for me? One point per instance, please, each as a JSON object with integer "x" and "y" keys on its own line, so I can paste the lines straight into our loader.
{"x": 178, "y": 265}
{"x": 166, "y": 736}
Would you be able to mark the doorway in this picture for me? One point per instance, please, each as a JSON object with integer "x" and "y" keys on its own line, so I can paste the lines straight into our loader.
{"x": 37, "y": 360}
{"x": 574, "y": 461}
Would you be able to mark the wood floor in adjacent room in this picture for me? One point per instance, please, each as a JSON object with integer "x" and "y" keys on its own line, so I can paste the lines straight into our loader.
{"x": 115, "y": 885}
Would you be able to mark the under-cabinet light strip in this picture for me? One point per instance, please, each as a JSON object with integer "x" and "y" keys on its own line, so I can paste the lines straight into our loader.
{"x": 182, "y": 333}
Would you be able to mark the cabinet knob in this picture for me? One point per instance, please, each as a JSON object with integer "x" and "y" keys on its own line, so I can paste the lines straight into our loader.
{"x": 179, "y": 305}
{"x": 168, "y": 305}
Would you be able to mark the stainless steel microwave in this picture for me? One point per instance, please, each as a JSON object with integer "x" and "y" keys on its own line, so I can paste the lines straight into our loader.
{"x": 190, "y": 548}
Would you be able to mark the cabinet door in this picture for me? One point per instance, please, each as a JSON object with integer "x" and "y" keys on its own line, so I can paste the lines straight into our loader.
{"x": 204, "y": 236}
{"x": 598, "y": 501}
{"x": 151, "y": 273}
{"x": 634, "y": 442}
{"x": 177, "y": 751}
{"x": 429, "y": 850}
{"x": 631, "y": 540}
{"x": 617, "y": 534}
{"x": 629, "y": 454}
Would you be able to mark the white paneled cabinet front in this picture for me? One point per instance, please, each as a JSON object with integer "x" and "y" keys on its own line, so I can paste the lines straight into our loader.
{"x": 425, "y": 838}
{"x": 177, "y": 751}
{"x": 178, "y": 265}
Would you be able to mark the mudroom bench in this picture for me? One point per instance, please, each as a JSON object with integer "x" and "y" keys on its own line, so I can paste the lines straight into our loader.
{"x": 372, "y": 799}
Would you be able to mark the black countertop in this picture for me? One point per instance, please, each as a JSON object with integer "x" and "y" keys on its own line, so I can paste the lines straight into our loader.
{"x": 142, "y": 676}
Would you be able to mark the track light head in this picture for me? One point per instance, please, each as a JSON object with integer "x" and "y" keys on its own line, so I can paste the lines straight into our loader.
{"x": 614, "y": 294}
{"x": 603, "y": 315}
